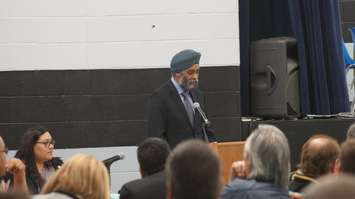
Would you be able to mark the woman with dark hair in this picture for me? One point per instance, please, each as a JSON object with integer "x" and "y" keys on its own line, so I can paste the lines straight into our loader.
{"x": 36, "y": 151}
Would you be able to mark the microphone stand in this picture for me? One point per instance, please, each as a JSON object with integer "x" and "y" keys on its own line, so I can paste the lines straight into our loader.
{"x": 204, "y": 126}
{"x": 205, "y": 123}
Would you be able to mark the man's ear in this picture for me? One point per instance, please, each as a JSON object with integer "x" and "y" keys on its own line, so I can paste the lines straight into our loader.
{"x": 141, "y": 172}
{"x": 177, "y": 75}
{"x": 337, "y": 167}
{"x": 247, "y": 164}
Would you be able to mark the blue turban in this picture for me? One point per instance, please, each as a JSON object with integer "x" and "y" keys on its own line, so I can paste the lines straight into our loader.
{"x": 184, "y": 60}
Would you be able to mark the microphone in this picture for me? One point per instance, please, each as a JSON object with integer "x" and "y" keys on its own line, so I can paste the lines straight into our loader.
{"x": 197, "y": 106}
{"x": 113, "y": 159}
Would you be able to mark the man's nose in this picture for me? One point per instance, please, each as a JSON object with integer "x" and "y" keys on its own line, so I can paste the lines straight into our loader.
{"x": 195, "y": 76}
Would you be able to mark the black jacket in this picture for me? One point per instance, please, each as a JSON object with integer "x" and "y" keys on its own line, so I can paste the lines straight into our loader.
{"x": 167, "y": 117}
{"x": 152, "y": 186}
{"x": 33, "y": 184}
{"x": 298, "y": 182}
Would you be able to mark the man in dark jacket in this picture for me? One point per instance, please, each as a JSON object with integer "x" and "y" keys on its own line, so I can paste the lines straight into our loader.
{"x": 152, "y": 154}
{"x": 171, "y": 111}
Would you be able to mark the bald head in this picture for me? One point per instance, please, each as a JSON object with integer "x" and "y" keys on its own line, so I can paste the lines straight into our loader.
{"x": 318, "y": 156}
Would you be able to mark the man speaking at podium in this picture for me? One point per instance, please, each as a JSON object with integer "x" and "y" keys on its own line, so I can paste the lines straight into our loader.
{"x": 175, "y": 110}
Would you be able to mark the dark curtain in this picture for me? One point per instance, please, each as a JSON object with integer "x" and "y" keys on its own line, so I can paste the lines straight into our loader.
{"x": 316, "y": 26}
{"x": 244, "y": 21}
{"x": 258, "y": 19}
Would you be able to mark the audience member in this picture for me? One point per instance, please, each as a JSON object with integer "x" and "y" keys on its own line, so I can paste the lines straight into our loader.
{"x": 193, "y": 172}
{"x": 346, "y": 161}
{"x": 152, "y": 154}
{"x": 15, "y": 168}
{"x": 318, "y": 158}
{"x": 332, "y": 187}
{"x": 266, "y": 167}
{"x": 351, "y": 132}
{"x": 36, "y": 151}
{"x": 81, "y": 177}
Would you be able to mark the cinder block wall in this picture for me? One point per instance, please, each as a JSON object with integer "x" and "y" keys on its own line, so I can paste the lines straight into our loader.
{"x": 84, "y": 68}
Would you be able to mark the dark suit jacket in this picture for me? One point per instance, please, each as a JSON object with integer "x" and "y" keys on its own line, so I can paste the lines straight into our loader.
{"x": 33, "y": 185}
{"x": 167, "y": 116}
{"x": 298, "y": 182}
{"x": 152, "y": 186}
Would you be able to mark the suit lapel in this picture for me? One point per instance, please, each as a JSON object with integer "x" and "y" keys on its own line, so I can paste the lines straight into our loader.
{"x": 179, "y": 104}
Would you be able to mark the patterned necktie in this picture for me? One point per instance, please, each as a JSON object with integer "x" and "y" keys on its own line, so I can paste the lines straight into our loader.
{"x": 188, "y": 107}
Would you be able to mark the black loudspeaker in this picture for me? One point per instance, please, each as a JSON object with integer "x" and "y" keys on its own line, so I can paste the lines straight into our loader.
{"x": 274, "y": 78}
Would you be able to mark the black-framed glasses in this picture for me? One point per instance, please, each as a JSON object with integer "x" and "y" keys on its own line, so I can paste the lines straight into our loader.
{"x": 47, "y": 143}
{"x": 6, "y": 150}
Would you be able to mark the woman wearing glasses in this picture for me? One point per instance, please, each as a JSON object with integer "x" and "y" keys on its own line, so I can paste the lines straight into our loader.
{"x": 36, "y": 151}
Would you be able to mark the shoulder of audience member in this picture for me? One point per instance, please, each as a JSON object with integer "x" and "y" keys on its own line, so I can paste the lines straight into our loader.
{"x": 239, "y": 184}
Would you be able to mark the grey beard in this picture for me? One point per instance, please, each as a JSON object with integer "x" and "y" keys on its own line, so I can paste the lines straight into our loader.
{"x": 186, "y": 85}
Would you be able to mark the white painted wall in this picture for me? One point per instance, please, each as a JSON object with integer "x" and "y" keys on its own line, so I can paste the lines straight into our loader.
{"x": 115, "y": 34}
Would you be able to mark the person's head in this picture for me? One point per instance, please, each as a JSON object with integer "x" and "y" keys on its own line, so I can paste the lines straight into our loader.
{"x": 193, "y": 172}
{"x": 185, "y": 68}
{"x": 81, "y": 175}
{"x": 152, "y": 154}
{"x": 3, "y": 152}
{"x": 37, "y": 146}
{"x": 319, "y": 155}
{"x": 351, "y": 132}
{"x": 332, "y": 187}
{"x": 347, "y": 157}
{"x": 267, "y": 155}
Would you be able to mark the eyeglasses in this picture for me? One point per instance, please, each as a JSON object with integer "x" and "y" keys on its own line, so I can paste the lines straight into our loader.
{"x": 6, "y": 150}
{"x": 47, "y": 143}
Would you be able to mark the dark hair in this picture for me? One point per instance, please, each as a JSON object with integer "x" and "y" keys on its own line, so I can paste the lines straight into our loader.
{"x": 347, "y": 156}
{"x": 14, "y": 195}
{"x": 193, "y": 171}
{"x": 152, "y": 154}
{"x": 317, "y": 159}
{"x": 26, "y": 154}
{"x": 331, "y": 187}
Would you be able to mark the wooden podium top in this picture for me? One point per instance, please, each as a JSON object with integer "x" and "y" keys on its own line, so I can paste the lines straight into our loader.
{"x": 228, "y": 152}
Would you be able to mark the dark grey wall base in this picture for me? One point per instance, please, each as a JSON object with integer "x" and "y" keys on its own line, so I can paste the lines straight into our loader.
{"x": 97, "y": 108}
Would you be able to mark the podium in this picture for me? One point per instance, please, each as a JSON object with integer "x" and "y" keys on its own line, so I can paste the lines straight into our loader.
{"x": 228, "y": 153}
